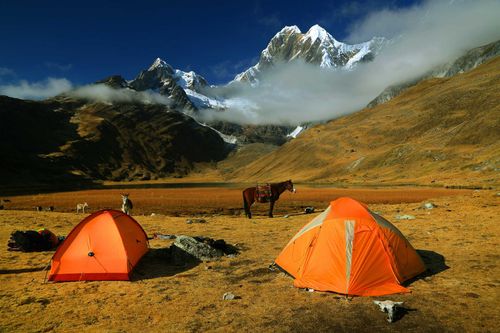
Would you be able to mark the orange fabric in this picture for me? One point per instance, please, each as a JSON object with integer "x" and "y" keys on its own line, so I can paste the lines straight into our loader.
{"x": 350, "y": 252}
{"x": 104, "y": 246}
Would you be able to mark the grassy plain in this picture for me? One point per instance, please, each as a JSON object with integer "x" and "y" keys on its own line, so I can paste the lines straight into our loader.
{"x": 459, "y": 293}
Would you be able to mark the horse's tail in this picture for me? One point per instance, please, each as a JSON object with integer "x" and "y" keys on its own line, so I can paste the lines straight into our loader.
{"x": 245, "y": 205}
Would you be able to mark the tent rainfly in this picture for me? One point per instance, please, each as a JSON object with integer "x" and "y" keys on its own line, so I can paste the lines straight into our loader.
{"x": 350, "y": 250}
{"x": 105, "y": 245}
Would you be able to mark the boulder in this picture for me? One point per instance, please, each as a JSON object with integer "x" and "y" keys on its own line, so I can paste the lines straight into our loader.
{"x": 186, "y": 248}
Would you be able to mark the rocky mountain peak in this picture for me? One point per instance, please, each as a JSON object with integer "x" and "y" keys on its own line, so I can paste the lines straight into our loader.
{"x": 317, "y": 32}
{"x": 289, "y": 29}
{"x": 316, "y": 46}
{"x": 159, "y": 63}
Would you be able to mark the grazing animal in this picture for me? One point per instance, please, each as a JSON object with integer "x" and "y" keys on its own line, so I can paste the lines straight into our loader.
{"x": 391, "y": 308}
{"x": 49, "y": 209}
{"x": 126, "y": 204}
{"x": 38, "y": 208}
{"x": 81, "y": 207}
{"x": 250, "y": 195}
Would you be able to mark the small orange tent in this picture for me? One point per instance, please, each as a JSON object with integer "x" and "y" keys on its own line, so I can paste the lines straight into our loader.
{"x": 104, "y": 246}
{"x": 350, "y": 250}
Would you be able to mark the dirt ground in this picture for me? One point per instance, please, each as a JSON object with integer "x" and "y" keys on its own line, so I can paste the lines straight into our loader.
{"x": 458, "y": 239}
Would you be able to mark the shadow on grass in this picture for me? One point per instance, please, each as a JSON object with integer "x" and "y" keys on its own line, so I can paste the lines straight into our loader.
{"x": 434, "y": 262}
{"x": 159, "y": 263}
{"x": 22, "y": 270}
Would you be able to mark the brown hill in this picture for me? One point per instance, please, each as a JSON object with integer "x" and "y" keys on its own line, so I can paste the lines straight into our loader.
{"x": 65, "y": 142}
{"x": 441, "y": 131}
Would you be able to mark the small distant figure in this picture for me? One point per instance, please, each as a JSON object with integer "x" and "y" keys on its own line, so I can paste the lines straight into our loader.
{"x": 38, "y": 208}
{"x": 126, "y": 204}
{"x": 49, "y": 209}
{"x": 81, "y": 207}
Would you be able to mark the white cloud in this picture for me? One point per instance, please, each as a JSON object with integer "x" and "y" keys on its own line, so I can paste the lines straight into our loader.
{"x": 4, "y": 71}
{"x": 36, "y": 90}
{"x": 424, "y": 36}
{"x": 104, "y": 93}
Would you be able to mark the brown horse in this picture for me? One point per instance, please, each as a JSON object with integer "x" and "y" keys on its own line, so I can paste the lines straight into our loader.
{"x": 250, "y": 196}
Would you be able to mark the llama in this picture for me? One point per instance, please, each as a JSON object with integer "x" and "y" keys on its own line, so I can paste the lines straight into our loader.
{"x": 81, "y": 207}
{"x": 126, "y": 204}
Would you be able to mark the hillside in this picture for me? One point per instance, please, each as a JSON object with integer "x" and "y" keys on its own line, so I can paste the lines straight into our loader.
{"x": 67, "y": 141}
{"x": 440, "y": 132}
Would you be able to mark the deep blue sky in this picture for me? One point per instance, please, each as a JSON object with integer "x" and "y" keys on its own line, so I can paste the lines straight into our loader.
{"x": 88, "y": 40}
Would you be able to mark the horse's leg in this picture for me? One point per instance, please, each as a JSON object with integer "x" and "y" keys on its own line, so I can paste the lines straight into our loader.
{"x": 271, "y": 206}
{"x": 246, "y": 206}
{"x": 249, "y": 207}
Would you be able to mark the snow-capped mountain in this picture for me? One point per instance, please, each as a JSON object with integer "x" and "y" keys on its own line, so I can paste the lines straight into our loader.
{"x": 184, "y": 88}
{"x": 316, "y": 46}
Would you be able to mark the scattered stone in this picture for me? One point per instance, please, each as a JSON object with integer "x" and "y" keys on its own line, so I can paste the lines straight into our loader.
{"x": 27, "y": 300}
{"x": 311, "y": 290}
{"x": 286, "y": 216}
{"x": 229, "y": 296}
{"x": 153, "y": 214}
{"x": 309, "y": 210}
{"x": 163, "y": 236}
{"x": 232, "y": 255}
{"x": 429, "y": 205}
{"x": 43, "y": 301}
{"x": 405, "y": 217}
{"x": 190, "y": 221}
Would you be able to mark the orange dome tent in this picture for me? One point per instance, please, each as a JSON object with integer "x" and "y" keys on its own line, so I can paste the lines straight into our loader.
{"x": 104, "y": 246}
{"x": 350, "y": 250}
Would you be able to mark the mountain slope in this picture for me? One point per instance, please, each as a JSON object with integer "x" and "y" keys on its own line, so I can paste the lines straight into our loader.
{"x": 64, "y": 138}
{"x": 470, "y": 60}
{"x": 441, "y": 131}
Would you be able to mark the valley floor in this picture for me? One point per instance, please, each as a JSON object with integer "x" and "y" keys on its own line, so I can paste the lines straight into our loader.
{"x": 458, "y": 238}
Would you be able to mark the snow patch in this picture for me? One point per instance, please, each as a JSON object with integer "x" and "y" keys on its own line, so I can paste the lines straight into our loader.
{"x": 227, "y": 138}
{"x": 316, "y": 32}
{"x": 296, "y": 132}
{"x": 201, "y": 101}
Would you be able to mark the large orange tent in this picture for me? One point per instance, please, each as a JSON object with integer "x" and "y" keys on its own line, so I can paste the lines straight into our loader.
{"x": 349, "y": 249}
{"x": 104, "y": 246}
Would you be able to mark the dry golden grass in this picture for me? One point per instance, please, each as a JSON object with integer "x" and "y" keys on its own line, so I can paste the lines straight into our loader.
{"x": 220, "y": 200}
{"x": 166, "y": 298}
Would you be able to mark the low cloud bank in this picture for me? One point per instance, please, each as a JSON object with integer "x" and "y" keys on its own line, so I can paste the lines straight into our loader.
{"x": 106, "y": 94}
{"x": 36, "y": 90}
{"x": 422, "y": 37}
